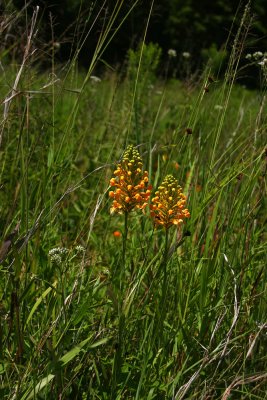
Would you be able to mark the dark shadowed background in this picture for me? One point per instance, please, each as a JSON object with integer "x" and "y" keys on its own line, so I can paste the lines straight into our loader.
{"x": 203, "y": 28}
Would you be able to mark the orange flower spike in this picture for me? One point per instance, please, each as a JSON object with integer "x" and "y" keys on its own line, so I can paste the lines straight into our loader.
{"x": 131, "y": 183}
{"x": 168, "y": 204}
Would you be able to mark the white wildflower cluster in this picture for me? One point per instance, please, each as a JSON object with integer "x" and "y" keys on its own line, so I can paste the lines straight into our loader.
{"x": 186, "y": 54}
{"x": 259, "y": 57}
{"x": 56, "y": 259}
{"x": 79, "y": 249}
{"x": 263, "y": 62}
{"x": 172, "y": 53}
{"x": 58, "y": 250}
{"x": 57, "y": 255}
{"x": 95, "y": 79}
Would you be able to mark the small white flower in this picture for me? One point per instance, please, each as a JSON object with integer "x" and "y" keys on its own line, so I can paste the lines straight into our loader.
{"x": 172, "y": 53}
{"x": 186, "y": 54}
{"x": 80, "y": 249}
{"x": 248, "y": 56}
{"x": 257, "y": 55}
{"x": 56, "y": 259}
{"x": 53, "y": 251}
{"x": 263, "y": 62}
{"x": 58, "y": 250}
{"x": 95, "y": 79}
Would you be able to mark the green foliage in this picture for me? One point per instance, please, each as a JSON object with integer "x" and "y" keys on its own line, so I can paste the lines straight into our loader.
{"x": 141, "y": 72}
{"x": 143, "y": 64}
{"x": 214, "y": 58}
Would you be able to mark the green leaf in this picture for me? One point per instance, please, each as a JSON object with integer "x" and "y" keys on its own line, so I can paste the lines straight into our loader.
{"x": 76, "y": 350}
{"x": 99, "y": 343}
{"x": 43, "y": 382}
{"x": 73, "y": 352}
{"x": 38, "y": 302}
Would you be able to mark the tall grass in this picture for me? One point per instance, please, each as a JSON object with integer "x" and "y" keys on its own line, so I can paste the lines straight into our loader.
{"x": 98, "y": 317}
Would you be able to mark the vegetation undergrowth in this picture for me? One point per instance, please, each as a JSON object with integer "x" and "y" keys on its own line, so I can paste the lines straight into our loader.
{"x": 117, "y": 291}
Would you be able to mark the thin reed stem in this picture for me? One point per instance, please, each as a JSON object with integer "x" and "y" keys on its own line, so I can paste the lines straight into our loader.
{"x": 164, "y": 265}
{"x": 116, "y": 373}
{"x": 125, "y": 235}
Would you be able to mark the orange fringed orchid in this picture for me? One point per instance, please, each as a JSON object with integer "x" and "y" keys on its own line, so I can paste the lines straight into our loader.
{"x": 131, "y": 184}
{"x": 168, "y": 205}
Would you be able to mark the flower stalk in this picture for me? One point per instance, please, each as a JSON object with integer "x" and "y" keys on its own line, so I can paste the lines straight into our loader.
{"x": 131, "y": 191}
{"x": 167, "y": 209}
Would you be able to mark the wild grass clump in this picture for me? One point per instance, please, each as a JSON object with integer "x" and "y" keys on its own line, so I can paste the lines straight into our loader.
{"x": 133, "y": 234}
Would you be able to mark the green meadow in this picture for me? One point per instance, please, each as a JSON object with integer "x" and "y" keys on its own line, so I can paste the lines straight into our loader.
{"x": 100, "y": 305}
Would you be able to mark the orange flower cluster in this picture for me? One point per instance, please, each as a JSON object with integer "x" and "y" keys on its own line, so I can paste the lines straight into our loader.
{"x": 131, "y": 183}
{"x": 167, "y": 206}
